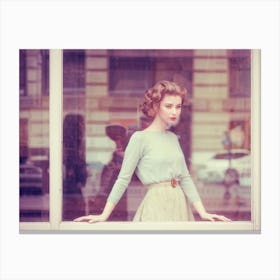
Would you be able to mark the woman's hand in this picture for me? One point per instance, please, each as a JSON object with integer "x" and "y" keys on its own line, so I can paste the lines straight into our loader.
{"x": 214, "y": 217}
{"x": 207, "y": 216}
{"x": 91, "y": 218}
{"x": 98, "y": 218}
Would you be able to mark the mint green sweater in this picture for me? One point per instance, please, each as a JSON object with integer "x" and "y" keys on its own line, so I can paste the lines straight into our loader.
{"x": 155, "y": 157}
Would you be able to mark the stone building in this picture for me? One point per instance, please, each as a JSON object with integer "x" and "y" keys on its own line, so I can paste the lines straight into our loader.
{"x": 106, "y": 87}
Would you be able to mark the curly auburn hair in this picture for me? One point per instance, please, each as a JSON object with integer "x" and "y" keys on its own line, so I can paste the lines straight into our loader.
{"x": 155, "y": 94}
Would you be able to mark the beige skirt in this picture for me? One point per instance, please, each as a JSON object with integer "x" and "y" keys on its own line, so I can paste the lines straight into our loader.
{"x": 163, "y": 202}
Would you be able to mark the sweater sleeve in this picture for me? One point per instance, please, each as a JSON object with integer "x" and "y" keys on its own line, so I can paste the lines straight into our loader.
{"x": 186, "y": 181}
{"x": 188, "y": 186}
{"x": 132, "y": 156}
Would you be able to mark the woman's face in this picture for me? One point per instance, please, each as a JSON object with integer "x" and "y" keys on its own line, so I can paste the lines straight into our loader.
{"x": 170, "y": 109}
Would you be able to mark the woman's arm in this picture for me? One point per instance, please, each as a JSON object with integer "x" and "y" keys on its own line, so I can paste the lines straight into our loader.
{"x": 108, "y": 209}
{"x": 192, "y": 194}
{"x": 132, "y": 155}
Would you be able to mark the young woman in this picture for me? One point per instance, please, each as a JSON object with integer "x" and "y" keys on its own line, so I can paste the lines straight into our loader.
{"x": 156, "y": 156}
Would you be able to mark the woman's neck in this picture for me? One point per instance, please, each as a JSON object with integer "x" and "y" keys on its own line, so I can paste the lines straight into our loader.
{"x": 157, "y": 125}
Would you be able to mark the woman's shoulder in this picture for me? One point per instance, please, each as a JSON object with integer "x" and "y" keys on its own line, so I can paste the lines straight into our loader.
{"x": 147, "y": 135}
{"x": 136, "y": 135}
{"x": 141, "y": 135}
{"x": 146, "y": 132}
{"x": 175, "y": 135}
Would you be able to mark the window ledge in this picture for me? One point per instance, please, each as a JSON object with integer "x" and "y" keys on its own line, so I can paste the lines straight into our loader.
{"x": 141, "y": 227}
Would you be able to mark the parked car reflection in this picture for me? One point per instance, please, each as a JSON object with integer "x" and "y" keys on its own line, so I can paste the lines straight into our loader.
{"x": 31, "y": 179}
{"x": 227, "y": 167}
{"x": 34, "y": 201}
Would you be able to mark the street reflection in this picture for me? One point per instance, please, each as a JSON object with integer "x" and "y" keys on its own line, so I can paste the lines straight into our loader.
{"x": 101, "y": 178}
{"x": 34, "y": 188}
{"x": 102, "y": 90}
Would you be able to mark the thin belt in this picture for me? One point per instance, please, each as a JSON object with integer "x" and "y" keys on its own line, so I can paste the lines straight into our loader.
{"x": 173, "y": 183}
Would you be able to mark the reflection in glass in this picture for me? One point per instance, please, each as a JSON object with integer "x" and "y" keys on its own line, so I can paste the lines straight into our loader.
{"x": 102, "y": 93}
{"x": 74, "y": 166}
{"x": 34, "y": 136}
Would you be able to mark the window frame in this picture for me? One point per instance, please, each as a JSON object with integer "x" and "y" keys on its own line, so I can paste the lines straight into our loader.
{"x": 56, "y": 224}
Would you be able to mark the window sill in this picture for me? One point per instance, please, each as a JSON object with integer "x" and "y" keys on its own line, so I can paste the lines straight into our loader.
{"x": 132, "y": 227}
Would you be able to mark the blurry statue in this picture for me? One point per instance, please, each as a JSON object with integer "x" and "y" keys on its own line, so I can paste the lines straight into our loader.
{"x": 110, "y": 171}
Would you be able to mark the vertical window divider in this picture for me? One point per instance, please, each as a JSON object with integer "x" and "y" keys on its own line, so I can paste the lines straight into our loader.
{"x": 255, "y": 138}
{"x": 55, "y": 144}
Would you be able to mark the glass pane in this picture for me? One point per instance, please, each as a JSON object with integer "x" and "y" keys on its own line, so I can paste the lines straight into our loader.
{"x": 34, "y": 136}
{"x": 222, "y": 145}
{"x": 214, "y": 129}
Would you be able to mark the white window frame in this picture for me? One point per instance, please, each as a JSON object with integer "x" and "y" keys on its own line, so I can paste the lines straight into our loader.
{"x": 55, "y": 199}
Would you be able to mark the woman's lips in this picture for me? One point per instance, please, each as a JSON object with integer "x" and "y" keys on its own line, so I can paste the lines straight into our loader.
{"x": 173, "y": 119}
